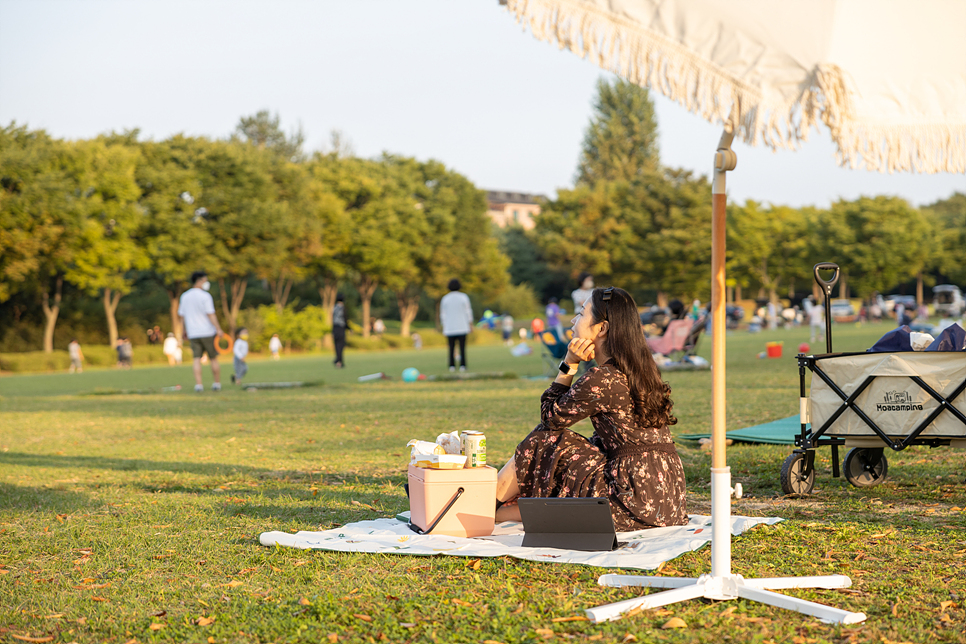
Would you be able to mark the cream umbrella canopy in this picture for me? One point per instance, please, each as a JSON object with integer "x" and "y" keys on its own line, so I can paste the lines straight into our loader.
{"x": 886, "y": 77}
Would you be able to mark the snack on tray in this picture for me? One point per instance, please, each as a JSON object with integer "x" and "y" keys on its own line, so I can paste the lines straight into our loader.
{"x": 450, "y": 442}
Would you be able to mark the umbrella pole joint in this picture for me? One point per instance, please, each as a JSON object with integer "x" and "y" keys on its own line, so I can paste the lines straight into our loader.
{"x": 721, "y": 584}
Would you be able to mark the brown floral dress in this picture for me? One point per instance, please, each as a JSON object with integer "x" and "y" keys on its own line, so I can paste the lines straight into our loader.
{"x": 636, "y": 467}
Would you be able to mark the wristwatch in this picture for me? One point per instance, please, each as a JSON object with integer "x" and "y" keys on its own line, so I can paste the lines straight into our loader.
{"x": 568, "y": 369}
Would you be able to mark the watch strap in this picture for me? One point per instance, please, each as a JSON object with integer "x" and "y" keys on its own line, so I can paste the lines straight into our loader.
{"x": 568, "y": 369}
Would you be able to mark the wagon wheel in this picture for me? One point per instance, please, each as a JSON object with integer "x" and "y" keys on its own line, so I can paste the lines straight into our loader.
{"x": 793, "y": 482}
{"x": 865, "y": 467}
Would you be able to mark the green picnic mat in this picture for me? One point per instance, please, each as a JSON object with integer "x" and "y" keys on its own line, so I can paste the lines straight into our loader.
{"x": 777, "y": 432}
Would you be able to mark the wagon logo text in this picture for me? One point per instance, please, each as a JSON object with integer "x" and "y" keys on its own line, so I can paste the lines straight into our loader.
{"x": 897, "y": 401}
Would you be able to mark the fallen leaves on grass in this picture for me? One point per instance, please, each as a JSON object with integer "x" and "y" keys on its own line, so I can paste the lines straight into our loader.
{"x": 675, "y": 622}
{"x": 474, "y": 564}
{"x": 156, "y": 626}
{"x": 205, "y": 621}
{"x": 460, "y": 602}
{"x": 946, "y": 604}
{"x": 517, "y": 610}
{"x": 491, "y": 642}
{"x": 100, "y": 599}
{"x": 629, "y": 638}
{"x": 572, "y": 618}
{"x": 545, "y": 633}
{"x": 365, "y": 618}
{"x": 595, "y": 637}
{"x": 234, "y": 583}
{"x": 27, "y": 638}
{"x": 332, "y": 637}
{"x": 364, "y": 505}
{"x": 305, "y": 602}
{"x": 160, "y": 613}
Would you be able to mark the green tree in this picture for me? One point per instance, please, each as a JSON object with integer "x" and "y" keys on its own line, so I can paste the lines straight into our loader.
{"x": 621, "y": 141}
{"x": 877, "y": 242}
{"x": 768, "y": 246}
{"x": 249, "y": 225}
{"x": 383, "y": 225}
{"x": 264, "y": 131}
{"x": 106, "y": 251}
{"x": 173, "y": 231}
{"x": 454, "y": 240}
{"x": 949, "y": 216}
{"x": 43, "y": 208}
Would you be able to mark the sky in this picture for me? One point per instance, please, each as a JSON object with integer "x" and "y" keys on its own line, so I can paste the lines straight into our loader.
{"x": 453, "y": 80}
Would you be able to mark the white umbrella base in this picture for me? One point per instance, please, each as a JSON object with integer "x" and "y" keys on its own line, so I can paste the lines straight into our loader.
{"x": 721, "y": 584}
{"x": 722, "y": 588}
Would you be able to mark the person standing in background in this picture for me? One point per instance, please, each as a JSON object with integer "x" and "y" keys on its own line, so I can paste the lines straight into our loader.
{"x": 275, "y": 345}
{"x": 338, "y": 329}
{"x": 584, "y": 290}
{"x": 553, "y": 314}
{"x": 76, "y": 357}
{"x": 239, "y": 353}
{"x": 200, "y": 324}
{"x": 169, "y": 347}
{"x": 506, "y": 323}
{"x": 456, "y": 318}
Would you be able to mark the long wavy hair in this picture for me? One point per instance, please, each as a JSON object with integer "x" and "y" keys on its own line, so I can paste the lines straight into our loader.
{"x": 625, "y": 344}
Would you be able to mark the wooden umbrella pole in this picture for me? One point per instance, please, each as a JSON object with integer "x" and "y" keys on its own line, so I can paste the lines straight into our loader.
{"x": 724, "y": 160}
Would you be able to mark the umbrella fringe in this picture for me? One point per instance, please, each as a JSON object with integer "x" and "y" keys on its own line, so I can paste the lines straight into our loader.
{"x": 652, "y": 60}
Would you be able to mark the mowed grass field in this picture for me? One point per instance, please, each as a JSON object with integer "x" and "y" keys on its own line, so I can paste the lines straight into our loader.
{"x": 134, "y": 517}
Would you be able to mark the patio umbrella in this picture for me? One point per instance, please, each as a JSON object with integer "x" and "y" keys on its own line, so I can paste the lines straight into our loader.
{"x": 886, "y": 77}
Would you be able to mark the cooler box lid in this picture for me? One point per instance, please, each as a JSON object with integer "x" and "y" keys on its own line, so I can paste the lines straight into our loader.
{"x": 485, "y": 474}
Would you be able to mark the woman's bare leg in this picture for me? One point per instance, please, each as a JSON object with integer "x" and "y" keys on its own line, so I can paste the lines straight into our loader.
{"x": 508, "y": 488}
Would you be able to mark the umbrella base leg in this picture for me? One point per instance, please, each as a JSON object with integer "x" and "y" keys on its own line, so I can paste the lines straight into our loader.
{"x": 723, "y": 588}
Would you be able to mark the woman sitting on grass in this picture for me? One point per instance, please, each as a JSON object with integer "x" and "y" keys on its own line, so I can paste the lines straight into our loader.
{"x": 630, "y": 459}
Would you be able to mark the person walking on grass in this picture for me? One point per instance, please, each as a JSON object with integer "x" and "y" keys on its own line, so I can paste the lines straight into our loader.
{"x": 197, "y": 311}
{"x": 76, "y": 357}
{"x": 275, "y": 345}
{"x": 456, "y": 318}
{"x": 339, "y": 325}
{"x": 169, "y": 348}
{"x": 240, "y": 352}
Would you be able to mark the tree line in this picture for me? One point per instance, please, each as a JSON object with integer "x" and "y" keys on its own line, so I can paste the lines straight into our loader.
{"x": 631, "y": 221}
{"x": 92, "y": 213}
{"x": 97, "y": 214}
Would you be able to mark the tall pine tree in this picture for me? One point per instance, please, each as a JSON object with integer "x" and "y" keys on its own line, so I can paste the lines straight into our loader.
{"x": 621, "y": 141}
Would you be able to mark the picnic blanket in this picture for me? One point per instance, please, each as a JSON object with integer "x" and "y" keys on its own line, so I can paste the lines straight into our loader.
{"x": 644, "y": 549}
{"x": 777, "y": 432}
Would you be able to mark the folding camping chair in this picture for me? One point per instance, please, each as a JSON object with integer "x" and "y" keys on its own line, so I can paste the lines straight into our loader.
{"x": 674, "y": 339}
{"x": 870, "y": 401}
{"x": 554, "y": 350}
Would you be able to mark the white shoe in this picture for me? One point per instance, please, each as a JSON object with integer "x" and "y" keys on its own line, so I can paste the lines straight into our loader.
{"x": 216, "y": 386}
{"x": 452, "y": 368}
{"x": 199, "y": 388}
{"x": 462, "y": 367}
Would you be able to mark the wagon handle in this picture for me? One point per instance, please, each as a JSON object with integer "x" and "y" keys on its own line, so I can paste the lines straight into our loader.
{"x": 827, "y": 291}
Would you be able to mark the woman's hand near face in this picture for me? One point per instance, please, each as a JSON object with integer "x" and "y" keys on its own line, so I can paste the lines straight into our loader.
{"x": 579, "y": 350}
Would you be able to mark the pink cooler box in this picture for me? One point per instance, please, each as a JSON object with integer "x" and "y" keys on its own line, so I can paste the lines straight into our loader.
{"x": 430, "y": 491}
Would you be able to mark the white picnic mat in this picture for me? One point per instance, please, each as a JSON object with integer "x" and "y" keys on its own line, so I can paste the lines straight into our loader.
{"x": 645, "y": 549}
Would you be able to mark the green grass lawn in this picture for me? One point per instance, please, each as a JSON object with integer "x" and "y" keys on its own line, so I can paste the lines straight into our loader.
{"x": 135, "y": 517}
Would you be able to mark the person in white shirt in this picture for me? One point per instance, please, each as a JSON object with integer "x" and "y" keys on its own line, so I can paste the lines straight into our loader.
{"x": 583, "y": 292}
{"x": 240, "y": 352}
{"x": 275, "y": 345}
{"x": 197, "y": 311}
{"x": 456, "y": 318}
{"x": 76, "y": 357}
{"x": 170, "y": 349}
{"x": 816, "y": 322}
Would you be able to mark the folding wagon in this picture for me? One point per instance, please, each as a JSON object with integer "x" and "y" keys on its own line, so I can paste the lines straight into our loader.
{"x": 867, "y": 402}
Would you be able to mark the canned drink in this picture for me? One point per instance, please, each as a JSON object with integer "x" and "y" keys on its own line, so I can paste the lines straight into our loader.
{"x": 474, "y": 448}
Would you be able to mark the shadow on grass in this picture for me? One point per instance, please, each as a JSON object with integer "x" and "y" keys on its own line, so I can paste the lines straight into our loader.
{"x": 137, "y": 464}
{"x": 41, "y": 499}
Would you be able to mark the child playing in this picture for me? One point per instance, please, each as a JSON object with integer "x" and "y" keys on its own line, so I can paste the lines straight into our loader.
{"x": 240, "y": 353}
{"x": 275, "y": 345}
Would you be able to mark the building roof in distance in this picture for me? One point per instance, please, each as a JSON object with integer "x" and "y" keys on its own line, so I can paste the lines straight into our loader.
{"x": 498, "y": 197}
